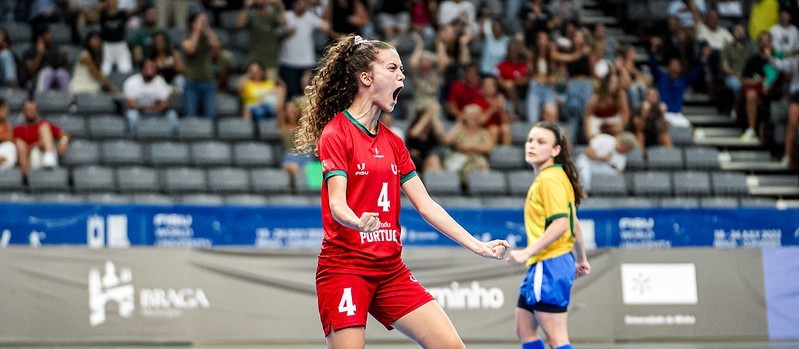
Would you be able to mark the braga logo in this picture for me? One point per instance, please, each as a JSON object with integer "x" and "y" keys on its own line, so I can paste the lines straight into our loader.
{"x": 394, "y": 169}
{"x": 115, "y": 285}
{"x": 110, "y": 287}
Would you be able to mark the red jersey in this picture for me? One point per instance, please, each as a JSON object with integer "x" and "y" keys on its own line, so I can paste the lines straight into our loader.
{"x": 375, "y": 166}
{"x": 513, "y": 71}
{"x": 30, "y": 132}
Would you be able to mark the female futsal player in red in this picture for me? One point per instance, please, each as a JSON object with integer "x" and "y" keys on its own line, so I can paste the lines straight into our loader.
{"x": 364, "y": 167}
{"x": 550, "y": 218}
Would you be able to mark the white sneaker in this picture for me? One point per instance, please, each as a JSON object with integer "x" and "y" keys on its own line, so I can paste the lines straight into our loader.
{"x": 49, "y": 159}
{"x": 749, "y": 136}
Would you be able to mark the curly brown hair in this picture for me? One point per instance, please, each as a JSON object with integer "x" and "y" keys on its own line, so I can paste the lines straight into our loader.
{"x": 335, "y": 85}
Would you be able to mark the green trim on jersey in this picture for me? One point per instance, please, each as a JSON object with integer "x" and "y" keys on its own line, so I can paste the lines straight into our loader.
{"x": 408, "y": 177}
{"x": 359, "y": 125}
{"x": 336, "y": 173}
{"x": 554, "y": 217}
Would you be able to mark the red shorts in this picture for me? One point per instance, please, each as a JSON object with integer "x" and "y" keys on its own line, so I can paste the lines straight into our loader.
{"x": 345, "y": 297}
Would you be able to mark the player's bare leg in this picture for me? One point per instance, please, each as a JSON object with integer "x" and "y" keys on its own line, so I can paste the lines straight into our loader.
{"x": 429, "y": 326}
{"x": 526, "y": 326}
{"x": 555, "y": 325}
{"x": 346, "y": 338}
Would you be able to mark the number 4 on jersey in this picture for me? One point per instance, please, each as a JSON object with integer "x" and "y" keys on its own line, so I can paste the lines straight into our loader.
{"x": 346, "y": 304}
{"x": 382, "y": 200}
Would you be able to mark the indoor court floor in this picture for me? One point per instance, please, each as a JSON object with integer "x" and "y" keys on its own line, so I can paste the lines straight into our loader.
{"x": 403, "y": 345}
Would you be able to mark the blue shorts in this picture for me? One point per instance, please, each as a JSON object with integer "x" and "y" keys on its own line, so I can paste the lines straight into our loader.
{"x": 547, "y": 285}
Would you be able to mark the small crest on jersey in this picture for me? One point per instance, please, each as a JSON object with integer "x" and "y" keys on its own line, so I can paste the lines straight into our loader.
{"x": 377, "y": 154}
{"x": 394, "y": 169}
{"x": 361, "y": 169}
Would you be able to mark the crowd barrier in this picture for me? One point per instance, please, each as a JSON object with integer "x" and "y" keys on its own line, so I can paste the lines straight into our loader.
{"x": 287, "y": 227}
{"x": 69, "y": 294}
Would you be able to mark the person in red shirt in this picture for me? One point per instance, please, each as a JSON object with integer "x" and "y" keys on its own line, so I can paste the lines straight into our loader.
{"x": 465, "y": 91}
{"x": 39, "y": 142}
{"x": 365, "y": 165}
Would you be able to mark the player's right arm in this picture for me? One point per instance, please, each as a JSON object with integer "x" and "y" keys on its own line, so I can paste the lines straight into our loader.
{"x": 342, "y": 213}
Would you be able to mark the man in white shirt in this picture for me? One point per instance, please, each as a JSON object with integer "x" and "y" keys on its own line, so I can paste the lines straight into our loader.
{"x": 147, "y": 94}
{"x": 710, "y": 31}
{"x": 297, "y": 54}
{"x": 464, "y": 11}
{"x": 785, "y": 35}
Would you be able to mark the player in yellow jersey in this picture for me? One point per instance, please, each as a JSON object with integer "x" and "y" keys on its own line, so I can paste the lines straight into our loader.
{"x": 550, "y": 220}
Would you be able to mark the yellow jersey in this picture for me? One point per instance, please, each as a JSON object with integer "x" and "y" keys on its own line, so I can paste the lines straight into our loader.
{"x": 550, "y": 197}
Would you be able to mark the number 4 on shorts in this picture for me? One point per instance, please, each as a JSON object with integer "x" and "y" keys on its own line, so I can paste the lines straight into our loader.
{"x": 346, "y": 305}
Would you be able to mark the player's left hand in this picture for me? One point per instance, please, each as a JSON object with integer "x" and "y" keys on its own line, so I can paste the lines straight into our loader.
{"x": 583, "y": 268}
{"x": 494, "y": 249}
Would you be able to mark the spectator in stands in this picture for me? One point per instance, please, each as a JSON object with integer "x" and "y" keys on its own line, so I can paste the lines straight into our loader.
{"x": 168, "y": 61}
{"x": 452, "y": 51}
{"x": 87, "y": 77}
{"x": 566, "y": 10}
{"x": 394, "y": 18}
{"x": 650, "y": 125}
{"x": 261, "y": 92}
{"x": 346, "y": 17}
{"x": 606, "y": 46}
{"x": 495, "y": 113}
{"x": 790, "y": 66}
{"x": 297, "y": 51}
{"x": 422, "y": 13}
{"x": 142, "y": 42}
{"x": 785, "y": 36}
{"x": 262, "y": 18}
{"x": 762, "y": 16}
{"x": 672, "y": 83}
{"x": 287, "y": 122}
{"x": 113, "y": 21}
{"x": 708, "y": 30}
{"x": 199, "y": 47}
{"x": 8, "y": 151}
{"x": 471, "y": 143}
{"x": 426, "y": 137}
{"x": 425, "y": 75}
{"x": 605, "y": 154}
{"x": 223, "y": 65}
{"x": 681, "y": 10}
{"x": 755, "y": 81}
{"x": 608, "y": 108}
{"x": 39, "y": 142}
{"x": 79, "y": 14}
{"x": 45, "y": 64}
{"x": 173, "y": 13}
{"x": 464, "y": 92}
{"x": 460, "y": 10}
{"x": 579, "y": 88}
{"x": 8, "y": 64}
{"x": 147, "y": 95}
{"x": 495, "y": 46}
{"x": 542, "y": 103}
{"x": 514, "y": 73}
{"x": 536, "y": 18}
{"x": 631, "y": 78}
{"x": 733, "y": 59}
